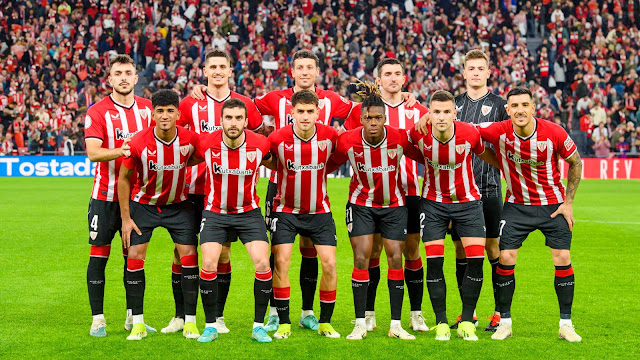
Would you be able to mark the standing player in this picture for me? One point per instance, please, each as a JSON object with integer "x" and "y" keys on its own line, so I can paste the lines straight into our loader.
{"x": 399, "y": 115}
{"x": 159, "y": 157}
{"x": 109, "y": 125}
{"x": 232, "y": 158}
{"x": 475, "y": 106}
{"x": 301, "y": 206}
{"x": 203, "y": 117}
{"x": 529, "y": 150}
{"x": 450, "y": 194}
{"x": 376, "y": 204}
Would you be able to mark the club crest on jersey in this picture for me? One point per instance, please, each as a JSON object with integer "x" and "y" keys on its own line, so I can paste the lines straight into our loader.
{"x": 392, "y": 153}
{"x": 321, "y": 104}
{"x": 409, "y": 113}
{"x": 322, "y": 145}
{"x": 542, "y": 145}
{"x": 251, "y": 155}
{"x": 87, "y": 122}
{"x": 461, "y": 148}
{"x": 350, "y": 227}
{"x": 485, "y": 110}
{"x": 93, "y": 234}
{"x": 143, "y": 114}
{"x": 184, "y": 150}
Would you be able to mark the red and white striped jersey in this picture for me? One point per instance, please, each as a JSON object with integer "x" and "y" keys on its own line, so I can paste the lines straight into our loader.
{"x": 112, "y": 123}
{"x": 449, "y": 166}
{"x": 160, "y": 166}
{"x": 402, "y": 117}
{"x": 232, "y": 173}
{"x": 302, "y": 169}
{"x": 375, "y": 167}
{"x": 277, "y": 103}
{"x": 530, "y": 165}
{"x": 203, "y": 116}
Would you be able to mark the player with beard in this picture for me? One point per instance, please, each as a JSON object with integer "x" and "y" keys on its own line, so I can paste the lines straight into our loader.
{"x": 232, "y": 157}
{"x": 204, "y": 117}
{"x": 109, "y": 126}
{"x": 399, "y": 114}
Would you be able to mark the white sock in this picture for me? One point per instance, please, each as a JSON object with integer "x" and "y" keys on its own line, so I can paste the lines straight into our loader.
{"x": 129, "y": 312}
{"x": 98, "y": 317}
{"x": 505, "y": 321}
{"x": 370, "y": 313}
{"x": 255, "y": 325}
{"x": 137, "y": 319}
{"x": 209, "y": 325}
{"x": 361, "y": 322}
{"x": 306, "y": 313}
{"x": 565, "y": 322}
{"x": 496, "y": 313}
{"x": 474, "y": 314}
{"x": 273, "y": 311}
{"x": 395, "y": 323}
{"x": 416, "y": 313}
{"x": 190, "y": 319}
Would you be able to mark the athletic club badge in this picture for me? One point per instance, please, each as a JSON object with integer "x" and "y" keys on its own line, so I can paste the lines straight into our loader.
{"x": 486, "y": 109}
{"x": 322, "y": 145}
{"x": 93, "y": 234}
{"x": 392, "y": 153}
{"x": 350, "y": 227}
{"x": 409, "y": 113}
{"x": 321, "y": 104}
{"x": 184, "y": 150}
{"x": 251, "y": 155}
{"x": 542, "y": 145}
{"x": 460, "y": 149}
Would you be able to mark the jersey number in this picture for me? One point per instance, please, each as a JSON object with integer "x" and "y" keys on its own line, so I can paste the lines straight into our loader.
{"x": 94, "y": 223}
{"x": 349, "y": 215}
{"x": 273, "y": 224}
{"x": 502, "y": 224}
{"x": 202, "y": 224}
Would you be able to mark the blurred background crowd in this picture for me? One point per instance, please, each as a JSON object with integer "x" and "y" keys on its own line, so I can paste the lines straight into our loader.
{"x": 580, "y": 58}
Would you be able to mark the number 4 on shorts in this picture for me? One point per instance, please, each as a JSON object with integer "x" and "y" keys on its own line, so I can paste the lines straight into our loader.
{"x": 94, "y": 223}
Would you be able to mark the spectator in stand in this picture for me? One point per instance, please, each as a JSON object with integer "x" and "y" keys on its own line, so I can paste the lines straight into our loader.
{"x": 67, "y": 144}
{"x": 602, "y": 147}
{"x": 634, "y": 144}
{"x": 7, "y": 145}
{"x": 622, "y": 147}
{"x": 598, "y": 114}
{"x": 600, "y": 132}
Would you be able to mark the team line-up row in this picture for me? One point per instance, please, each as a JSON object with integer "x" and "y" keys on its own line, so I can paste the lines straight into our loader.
{"x": 201, "y": 177}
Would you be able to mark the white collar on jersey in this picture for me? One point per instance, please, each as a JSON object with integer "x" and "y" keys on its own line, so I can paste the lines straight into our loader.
{"x": 378, "y": 144}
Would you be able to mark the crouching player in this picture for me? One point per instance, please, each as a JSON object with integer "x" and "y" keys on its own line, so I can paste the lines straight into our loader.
{"x": 233, "y": 157}
{"x": 450, "y": 194}
{"x": 159, "y": 157}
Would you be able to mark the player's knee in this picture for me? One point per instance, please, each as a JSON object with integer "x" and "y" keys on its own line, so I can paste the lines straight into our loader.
{"x": 329, "y": 267}
{"x": 209, "y": 264}
{"x": 459, "y": 250}
{"x": 360, "y": 261}
{"x": 508, "y": 257}
{"x": 561, "y": 257}
{"x": 395, "y": 261}
{"x": 262, "y": 264}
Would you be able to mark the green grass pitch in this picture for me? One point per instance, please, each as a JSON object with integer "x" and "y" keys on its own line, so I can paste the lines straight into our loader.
{"x": 44, "y": 310}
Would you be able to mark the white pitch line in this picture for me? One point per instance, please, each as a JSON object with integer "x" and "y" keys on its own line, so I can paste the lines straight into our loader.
{"x": 610, "y": 222}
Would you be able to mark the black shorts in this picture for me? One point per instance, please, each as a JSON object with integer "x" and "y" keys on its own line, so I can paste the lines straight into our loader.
{"x": 389, "y": 222}
{"x": 413, "y": 214}
{"x": 519, "y": 220}
{"x": 492, "y": 210}
{"x": 198, "y": 208}
{"x": 176, "y": 218}
{"x": 104, "y": 221}
{"x": 247, "y": 226}
{"x": 467, "y": 219}
{"x": 320, "y": 228}
{"x": 272, "y": 190}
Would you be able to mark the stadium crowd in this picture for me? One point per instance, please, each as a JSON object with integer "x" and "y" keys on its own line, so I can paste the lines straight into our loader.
{"x": 54, "y": 54}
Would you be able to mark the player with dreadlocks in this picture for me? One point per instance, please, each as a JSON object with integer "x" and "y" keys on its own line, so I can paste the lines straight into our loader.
{"x": 376, "y": 203}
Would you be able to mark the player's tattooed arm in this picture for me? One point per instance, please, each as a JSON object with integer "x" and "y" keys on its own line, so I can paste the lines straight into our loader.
{"x": 573, "y": 179}
{"x": 574, "y": 176}
{"x": 124, "y": 192}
